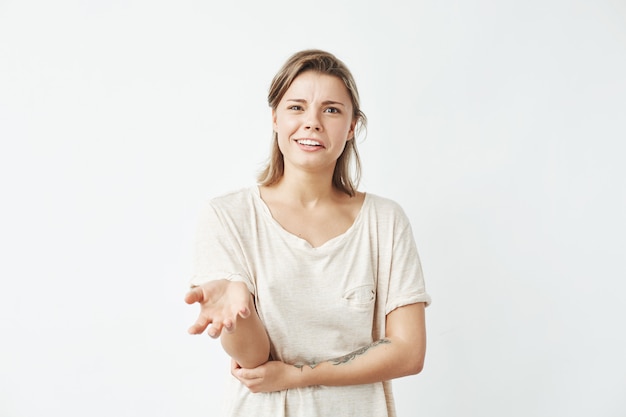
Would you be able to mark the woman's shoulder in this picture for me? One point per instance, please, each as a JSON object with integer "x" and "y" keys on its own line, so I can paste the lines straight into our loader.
{"x": 385, "y": 212}
{"x": 384, "y": 204}
{"x": 232, "y": 203}
{"x": 230, "y": 198}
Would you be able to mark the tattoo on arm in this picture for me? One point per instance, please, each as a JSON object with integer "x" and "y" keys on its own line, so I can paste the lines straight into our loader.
{"x": 350, "y": 356}
{"x": 312, "y": 366}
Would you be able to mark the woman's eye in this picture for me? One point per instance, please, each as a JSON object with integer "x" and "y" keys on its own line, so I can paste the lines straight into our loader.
{"x": 332, "y": 110}
{"x": 295, "y": 107}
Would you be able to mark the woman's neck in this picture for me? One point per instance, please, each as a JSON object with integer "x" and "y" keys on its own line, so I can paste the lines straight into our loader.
{"x": 306, "y": 189}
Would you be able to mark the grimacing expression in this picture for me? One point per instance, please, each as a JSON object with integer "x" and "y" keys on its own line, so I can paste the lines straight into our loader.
{"x": 313, "y": 121}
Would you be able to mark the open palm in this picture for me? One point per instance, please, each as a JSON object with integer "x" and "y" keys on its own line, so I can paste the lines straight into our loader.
{"x": 222, "y": 302}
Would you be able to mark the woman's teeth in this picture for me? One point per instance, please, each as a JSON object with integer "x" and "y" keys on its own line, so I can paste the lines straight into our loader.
{"x": 309, "y": 142}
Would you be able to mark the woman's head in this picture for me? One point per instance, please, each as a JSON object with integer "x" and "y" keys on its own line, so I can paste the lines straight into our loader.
{"x": 327, "y": 64}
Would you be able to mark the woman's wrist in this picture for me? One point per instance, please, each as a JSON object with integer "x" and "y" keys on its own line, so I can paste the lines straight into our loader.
{"x": 306, "y": 375}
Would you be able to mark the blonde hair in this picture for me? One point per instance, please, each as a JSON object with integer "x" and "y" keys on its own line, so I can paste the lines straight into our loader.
{"x": 345, "y": 179}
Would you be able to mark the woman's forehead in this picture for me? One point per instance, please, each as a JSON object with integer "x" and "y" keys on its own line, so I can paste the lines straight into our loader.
{"x": 318, "y": 85}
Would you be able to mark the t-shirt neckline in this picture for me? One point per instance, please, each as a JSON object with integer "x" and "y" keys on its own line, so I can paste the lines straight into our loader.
{"x": 297, "y": 240}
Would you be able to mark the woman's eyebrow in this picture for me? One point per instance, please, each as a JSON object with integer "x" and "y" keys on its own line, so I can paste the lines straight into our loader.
{"x": 333, "y": 103}
{"x": 325, "y": 103}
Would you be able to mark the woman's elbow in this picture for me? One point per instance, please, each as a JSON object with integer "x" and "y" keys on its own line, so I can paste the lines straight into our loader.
{"x": 413, "y": 368}
{"x": 417, "y": 367}
{"x": 414, "y": 363}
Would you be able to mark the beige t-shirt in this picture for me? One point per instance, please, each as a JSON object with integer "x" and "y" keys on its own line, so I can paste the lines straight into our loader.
{"x": 316, "y": 303}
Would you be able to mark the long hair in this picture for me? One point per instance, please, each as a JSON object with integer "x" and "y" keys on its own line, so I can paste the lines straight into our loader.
{"x": 348, "y": 167}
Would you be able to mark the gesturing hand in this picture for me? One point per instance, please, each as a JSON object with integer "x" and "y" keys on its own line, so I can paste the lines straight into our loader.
{"x": 222, "y": 302}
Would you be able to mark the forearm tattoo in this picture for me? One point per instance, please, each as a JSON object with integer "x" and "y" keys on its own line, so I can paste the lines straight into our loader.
{"x": 350, "y": 356}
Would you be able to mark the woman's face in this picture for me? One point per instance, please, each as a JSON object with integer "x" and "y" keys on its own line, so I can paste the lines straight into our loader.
{"x": 313, "y": 122}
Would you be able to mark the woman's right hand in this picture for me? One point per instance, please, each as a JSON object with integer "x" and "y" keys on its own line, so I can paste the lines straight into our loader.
{"x": 222, "y": 303}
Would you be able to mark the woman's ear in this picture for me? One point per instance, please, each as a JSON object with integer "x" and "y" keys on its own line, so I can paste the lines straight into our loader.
{"x": 351, "y": 132}
{"x": 274, "y": 119}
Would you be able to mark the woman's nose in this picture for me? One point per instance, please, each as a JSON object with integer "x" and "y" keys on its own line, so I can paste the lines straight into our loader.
{"x": 313, "y": 121}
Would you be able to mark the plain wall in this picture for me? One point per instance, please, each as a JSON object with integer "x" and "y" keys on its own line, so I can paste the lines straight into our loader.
{"x": 498, "y": 125}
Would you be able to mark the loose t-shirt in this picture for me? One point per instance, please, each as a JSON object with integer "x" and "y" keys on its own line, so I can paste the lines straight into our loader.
{"x": 316, "y": 303}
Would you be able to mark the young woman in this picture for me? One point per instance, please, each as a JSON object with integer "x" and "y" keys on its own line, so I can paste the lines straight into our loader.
{"x": 314, "y": 288}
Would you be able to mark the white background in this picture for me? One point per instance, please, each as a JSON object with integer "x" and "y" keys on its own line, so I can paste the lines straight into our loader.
{"x": 498, "y": 125}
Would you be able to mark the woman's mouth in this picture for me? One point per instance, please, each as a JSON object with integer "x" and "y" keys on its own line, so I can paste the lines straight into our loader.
{"x": 309, "y": 142}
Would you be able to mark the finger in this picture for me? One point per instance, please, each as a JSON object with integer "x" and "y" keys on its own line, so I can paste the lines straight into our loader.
{"x": 215, "y": 330}
{"x": 237, "y": 371}
{"x": 199, "y": 326}
{"x": 234, "y": 366}
{"x": 247, "y": 374}
{"x": 229, "y": 326}
{"x": 244, "y": 313}
{"x": 194, "y": 295}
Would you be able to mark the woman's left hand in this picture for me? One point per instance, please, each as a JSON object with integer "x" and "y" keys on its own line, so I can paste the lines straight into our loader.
{"x": 269, "y": 377}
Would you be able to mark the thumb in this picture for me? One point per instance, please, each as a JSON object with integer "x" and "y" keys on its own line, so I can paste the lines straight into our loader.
{"x": 195, "y": 295}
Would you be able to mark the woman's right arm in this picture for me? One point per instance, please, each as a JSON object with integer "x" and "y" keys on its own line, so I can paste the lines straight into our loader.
{"x": 227, "y": 309}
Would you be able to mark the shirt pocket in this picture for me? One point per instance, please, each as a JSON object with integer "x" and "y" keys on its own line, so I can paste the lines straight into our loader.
{"x": 360, "y": 297}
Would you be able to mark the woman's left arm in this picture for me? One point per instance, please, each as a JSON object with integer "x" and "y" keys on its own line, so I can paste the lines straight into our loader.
{"x": 400, "y": 353}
